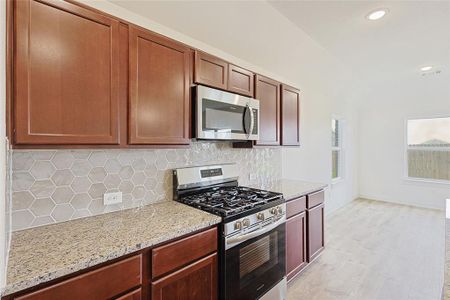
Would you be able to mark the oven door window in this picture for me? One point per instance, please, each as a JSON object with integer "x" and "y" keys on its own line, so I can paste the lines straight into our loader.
{"x": 255, "y": 266}
{"x": 223, "y": 117}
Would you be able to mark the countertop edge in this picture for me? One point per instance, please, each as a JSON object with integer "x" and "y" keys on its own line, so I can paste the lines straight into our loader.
{"x": 34, "y": 282}
{"x": 321, "y": 186}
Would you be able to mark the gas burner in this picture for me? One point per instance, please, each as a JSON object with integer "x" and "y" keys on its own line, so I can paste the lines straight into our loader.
{"x": 228, "y": 201}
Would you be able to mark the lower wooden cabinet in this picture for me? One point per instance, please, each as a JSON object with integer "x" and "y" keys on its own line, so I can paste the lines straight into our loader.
{"x": 295, "y": 244}
{"x": 185, "y": 269}
{"x": 195, "y": 281}
{"x": 133, "y": 295}
{"x": 104, "y": 283}
{"x": 172, "y": 256}
{"x": 304, "y": 231}
{"x": 316, "y": 241}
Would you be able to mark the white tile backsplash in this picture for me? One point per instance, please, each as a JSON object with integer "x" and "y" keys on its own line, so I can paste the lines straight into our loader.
{"x": 52, "y": 186}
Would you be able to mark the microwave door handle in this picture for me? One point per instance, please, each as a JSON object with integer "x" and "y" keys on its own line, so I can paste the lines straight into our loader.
{"x": 245, "y": 237}
{"x": 252, "y": 122}
{"x": 247, "y": 112}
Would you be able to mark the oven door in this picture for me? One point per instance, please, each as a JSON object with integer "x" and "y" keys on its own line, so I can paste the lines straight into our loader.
{"x": 254, "y": 266}
{"x": 225, "y": 116}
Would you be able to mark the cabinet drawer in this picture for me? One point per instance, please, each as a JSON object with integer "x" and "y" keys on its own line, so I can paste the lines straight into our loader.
{"x": 195, "y": 281}
{"x": 104, "y": 283}
{"x": 295, "y": 206}
{"x": 133, "y": 295}
{"x": 315, "y": 199}
{"x": 180, "y": 253}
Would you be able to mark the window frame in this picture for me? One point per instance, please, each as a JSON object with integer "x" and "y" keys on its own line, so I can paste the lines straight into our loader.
{"x": 340, "y": 149}
{"x": 406, "y": 147}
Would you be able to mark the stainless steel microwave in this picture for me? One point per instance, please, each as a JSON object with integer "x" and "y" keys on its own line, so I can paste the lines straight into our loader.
{"x": 222, "y": 115}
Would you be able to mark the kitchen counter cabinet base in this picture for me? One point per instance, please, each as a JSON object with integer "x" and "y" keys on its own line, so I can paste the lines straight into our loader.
{"x": 130, "y": 278}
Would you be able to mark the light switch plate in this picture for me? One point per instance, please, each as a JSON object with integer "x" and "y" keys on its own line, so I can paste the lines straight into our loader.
{"x": 112, "y": 198}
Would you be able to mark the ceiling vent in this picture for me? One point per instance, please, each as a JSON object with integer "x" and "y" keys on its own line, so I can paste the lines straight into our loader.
{"x": 431, "y": 73}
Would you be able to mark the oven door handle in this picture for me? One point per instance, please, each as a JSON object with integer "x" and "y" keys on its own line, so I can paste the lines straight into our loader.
{"x": 231, "y": 242}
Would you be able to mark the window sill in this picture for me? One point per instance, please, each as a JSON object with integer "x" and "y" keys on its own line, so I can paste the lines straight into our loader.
{"x": 425, "y": 180}
{"x": 336, "y": 180}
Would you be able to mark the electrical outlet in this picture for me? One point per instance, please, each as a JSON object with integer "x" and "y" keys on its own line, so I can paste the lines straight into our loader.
{"x": 252, "y": 176}
{"x": 112, "y": 198}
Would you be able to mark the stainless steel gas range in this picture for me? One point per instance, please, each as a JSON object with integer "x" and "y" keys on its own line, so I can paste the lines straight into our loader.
{"x": 252, "y": 233}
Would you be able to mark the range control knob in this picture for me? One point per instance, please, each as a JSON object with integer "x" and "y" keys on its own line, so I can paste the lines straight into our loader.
{"x": 274, "y": 211}
{"x": 280, "y": 210}
{"x": 238, "y": 225}
{"x": 260, "y": 216}
{"x": 245, "y": 222}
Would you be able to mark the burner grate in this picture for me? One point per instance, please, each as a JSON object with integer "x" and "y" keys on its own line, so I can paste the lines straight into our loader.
{"x": 227, "y": 201}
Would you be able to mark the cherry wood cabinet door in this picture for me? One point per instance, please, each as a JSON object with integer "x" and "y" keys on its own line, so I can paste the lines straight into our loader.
{"x": 159, "y": 89}
{"x": 195, "y": 281}
{"x": 210, "y": 71}
{"x": 316, "y": 241}
{"x": 290, "y": 116}
{"x": 103, "y": 283}
{"x": 240, "y": 81}
{"x": 66, "y": 74}
{"x": 133, "y": 295}
{"x": 295, "y": 245}
{"x": 268, "y": 94}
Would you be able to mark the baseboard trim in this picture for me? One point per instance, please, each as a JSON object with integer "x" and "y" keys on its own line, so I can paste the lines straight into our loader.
{"x": 375, "y": 198}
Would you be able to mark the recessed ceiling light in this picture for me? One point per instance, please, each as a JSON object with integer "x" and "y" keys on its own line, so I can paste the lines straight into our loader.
{"x": 376, "y": 14}
{"x": 426, "y": 68}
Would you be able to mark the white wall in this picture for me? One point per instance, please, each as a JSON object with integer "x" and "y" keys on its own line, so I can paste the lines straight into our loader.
{"x": 382, "y": 131}
{"x": 256, "y": 36}
{"x": 312, "y": 161}
{"x": 3, "y": 227}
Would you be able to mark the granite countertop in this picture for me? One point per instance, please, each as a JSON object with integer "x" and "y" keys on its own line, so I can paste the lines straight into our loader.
{"x": 44, "y": 253}
{"x": 446, "y": 290}
{"x": 296, "y": 188}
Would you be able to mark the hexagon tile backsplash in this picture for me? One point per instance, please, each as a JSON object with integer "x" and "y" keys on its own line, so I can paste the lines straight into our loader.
{"x": 50, "y": 186}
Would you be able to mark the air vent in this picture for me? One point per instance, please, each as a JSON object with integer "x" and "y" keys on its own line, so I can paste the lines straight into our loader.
{"x": 431, "y": 73}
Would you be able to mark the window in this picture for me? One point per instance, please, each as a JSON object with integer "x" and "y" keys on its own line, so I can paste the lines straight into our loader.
{"x": 428, "y": 149}
{"x": 336, "y": 149}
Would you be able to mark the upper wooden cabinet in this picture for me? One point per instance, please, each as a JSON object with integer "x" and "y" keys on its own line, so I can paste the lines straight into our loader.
{"x": 290, "y": 116}
{"x": 159, "y": 89}
{"x": 210, "y": 70}
{"x": 66, "y": 74}
{"x": 240, "y": 81}
{"x": 268, "y": 93}
{"x": 215, "y": 72}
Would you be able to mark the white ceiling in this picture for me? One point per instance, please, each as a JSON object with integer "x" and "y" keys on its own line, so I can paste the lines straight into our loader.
{"x": 411, "y": 35}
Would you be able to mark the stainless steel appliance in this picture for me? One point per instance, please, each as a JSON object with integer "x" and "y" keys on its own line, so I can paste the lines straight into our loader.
{"x": 252, "y": 256}
{"x": 222, "y": 115}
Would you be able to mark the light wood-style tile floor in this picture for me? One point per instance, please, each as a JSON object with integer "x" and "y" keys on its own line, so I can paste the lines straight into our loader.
{"x": 377, "y": 251}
